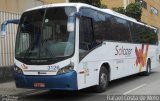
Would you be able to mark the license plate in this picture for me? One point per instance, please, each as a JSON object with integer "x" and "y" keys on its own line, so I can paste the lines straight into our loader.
{"x": 39, "y": 85}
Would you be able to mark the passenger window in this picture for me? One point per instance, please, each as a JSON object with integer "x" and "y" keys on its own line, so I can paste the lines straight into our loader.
{"x": 86, "y": 33}
{"x": 120, "y": 30}
{"x": 86, "y": 36}
{"x": 99, "y": 28}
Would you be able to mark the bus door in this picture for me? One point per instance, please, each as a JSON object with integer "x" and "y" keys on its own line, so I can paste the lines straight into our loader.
{"x": 86, "y": 39}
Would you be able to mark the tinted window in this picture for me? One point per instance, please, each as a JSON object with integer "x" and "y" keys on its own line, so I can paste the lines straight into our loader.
{"x": 108, "y": 27}
{"x": 93, "y": 22}
{"x": 108, "y": 30}
{"x": 137, "y": 33}
{"x": 85, "y": 36}
{"x": 86, "y": 33}
{"x": 101, "y": 24}
{"x": 89, "y": 36}
{"x": 142, "y": 34}
{"x": 120, "y": 30}
{"x": 151, "y": 36}
{"x": 88, "y": 12}
{"x": 102, "y": 28}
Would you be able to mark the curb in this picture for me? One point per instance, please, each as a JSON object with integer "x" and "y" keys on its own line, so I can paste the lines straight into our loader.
{"x": 6, "y": 74}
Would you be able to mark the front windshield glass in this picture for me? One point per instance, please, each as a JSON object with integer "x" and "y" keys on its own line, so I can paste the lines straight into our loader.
{"x": 43, "y": 37}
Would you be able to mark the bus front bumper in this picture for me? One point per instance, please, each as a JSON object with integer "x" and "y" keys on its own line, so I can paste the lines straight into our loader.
{"x": 66, "y": 81}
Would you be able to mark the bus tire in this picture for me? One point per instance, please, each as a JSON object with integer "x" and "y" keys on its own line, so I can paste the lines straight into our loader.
{"x": 103, "y": 80}
{"x": 148, "y": 68}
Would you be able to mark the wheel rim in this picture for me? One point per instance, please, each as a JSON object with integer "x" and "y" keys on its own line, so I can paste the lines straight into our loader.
{"x": 103, "y": 80}
{"x": 149, "y": 70}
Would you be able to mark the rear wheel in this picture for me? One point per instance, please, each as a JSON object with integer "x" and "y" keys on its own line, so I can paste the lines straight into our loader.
{"x": 148, "y": 68}
{"x": 103, "y": 80}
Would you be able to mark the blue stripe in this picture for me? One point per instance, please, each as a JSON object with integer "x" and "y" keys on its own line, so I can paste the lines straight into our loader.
{"x": 66, "y": 81}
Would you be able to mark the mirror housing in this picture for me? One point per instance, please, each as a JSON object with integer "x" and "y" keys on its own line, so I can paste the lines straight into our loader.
{"x": 71, "y": 24}
{"x": 4, "y": 29}
{"x": 4, "y": 26}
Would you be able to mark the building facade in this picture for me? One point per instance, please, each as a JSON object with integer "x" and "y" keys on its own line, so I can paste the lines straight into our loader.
{"x": 18, "y": 6}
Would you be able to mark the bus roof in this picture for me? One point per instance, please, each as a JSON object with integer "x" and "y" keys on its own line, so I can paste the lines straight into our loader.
{"x": 79, "y": 5}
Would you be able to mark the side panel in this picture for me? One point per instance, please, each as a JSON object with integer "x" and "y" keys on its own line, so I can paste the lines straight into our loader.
{"x": 124, "y": 59}
{"x": 87, "y": 73}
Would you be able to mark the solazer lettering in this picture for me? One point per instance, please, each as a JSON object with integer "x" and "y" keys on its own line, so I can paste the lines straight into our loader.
{"x": 123, "y": 51}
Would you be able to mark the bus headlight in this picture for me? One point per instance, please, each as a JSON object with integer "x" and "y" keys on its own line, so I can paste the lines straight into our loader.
{"x": 18, "y": 70}
{"x": 66, "y": 69}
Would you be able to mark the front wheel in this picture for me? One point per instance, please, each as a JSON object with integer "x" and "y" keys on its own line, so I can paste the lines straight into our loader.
{"x": 103, "y": 80}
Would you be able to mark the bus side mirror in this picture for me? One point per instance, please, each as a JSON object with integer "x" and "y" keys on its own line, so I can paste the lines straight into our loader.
{"x": 4, "y": 26}
{"x": 3, "y": 29}
{"x": 71, "y": 24}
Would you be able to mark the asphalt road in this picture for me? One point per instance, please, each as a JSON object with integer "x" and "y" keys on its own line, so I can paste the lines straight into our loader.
{"x": 132, "y": 85}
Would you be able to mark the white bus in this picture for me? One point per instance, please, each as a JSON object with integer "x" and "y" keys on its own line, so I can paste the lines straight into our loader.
{"x": 71, "y": 46}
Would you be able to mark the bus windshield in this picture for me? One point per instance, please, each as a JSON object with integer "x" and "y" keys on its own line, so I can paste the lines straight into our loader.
{"x": 43, "y": 37}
